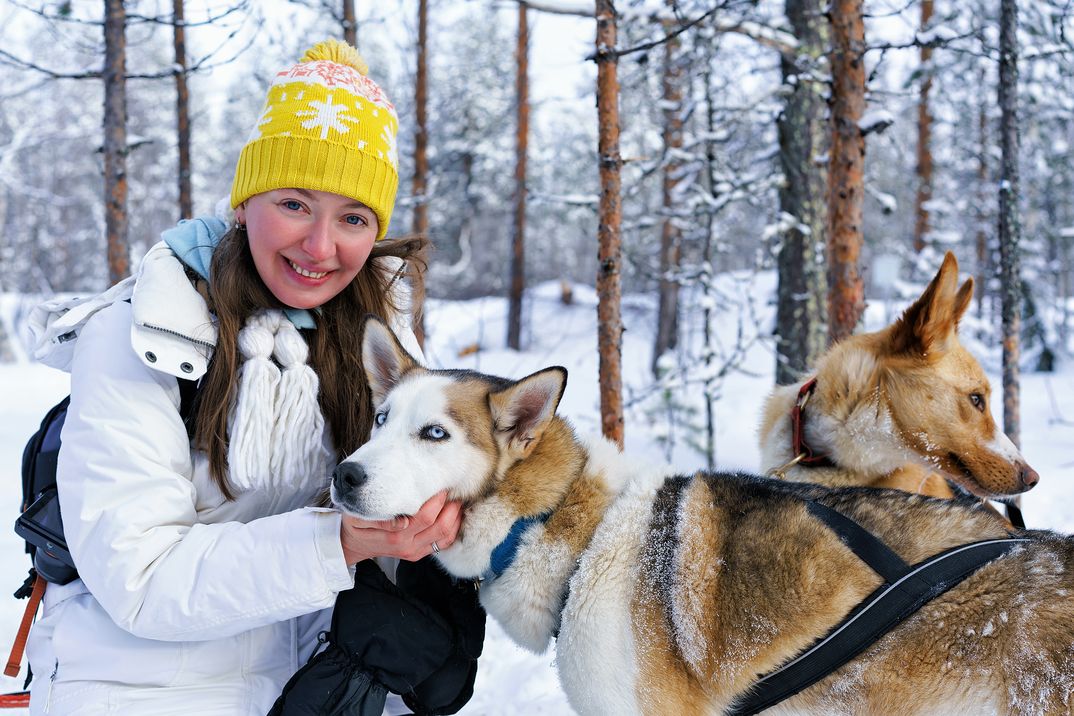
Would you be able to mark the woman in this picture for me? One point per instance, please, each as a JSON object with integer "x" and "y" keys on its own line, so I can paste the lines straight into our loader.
{"x": 205, "y": 577}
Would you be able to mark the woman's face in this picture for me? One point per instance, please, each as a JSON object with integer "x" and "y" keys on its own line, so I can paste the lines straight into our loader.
{"x": 307, "y": 245}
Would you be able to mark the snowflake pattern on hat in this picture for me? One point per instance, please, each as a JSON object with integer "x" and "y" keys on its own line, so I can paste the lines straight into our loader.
{"x": 388, "y": 135}
{"x": 314, "y": 111}
{"x": 327, "y": 115}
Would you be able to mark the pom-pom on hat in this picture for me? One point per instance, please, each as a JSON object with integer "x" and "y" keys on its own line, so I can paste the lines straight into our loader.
{"x": 325, "y": 127}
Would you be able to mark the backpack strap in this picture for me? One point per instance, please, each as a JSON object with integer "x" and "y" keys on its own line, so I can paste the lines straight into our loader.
{"x": 14, "y": 660}
{"x": 34, "y": 586}
{"x": 188, "y": 400}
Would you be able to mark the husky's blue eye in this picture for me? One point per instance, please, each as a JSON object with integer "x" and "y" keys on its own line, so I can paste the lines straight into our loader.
{"x": 380, "y": 418}
{"x": 434, "y": 432}
{"x": 978, "y": 401}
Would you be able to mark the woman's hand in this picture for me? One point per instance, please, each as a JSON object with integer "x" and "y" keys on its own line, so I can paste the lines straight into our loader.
{"x": 409, "y": 538}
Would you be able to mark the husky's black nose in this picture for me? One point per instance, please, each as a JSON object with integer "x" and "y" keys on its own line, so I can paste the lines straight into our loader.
{"x": 348, "y": 476}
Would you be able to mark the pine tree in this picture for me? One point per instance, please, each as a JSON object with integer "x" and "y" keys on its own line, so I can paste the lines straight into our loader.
{"x": 1009, "y": 219}
{"x": 846, "y": 177}
{"x": 517, "y": 283}
{"x": 609, "y": 287}
{"x": 801, "y": 292}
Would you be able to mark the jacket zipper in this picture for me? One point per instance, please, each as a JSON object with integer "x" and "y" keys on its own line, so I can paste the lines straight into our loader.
{"x": 179, "y": 335}
{"x": 51, "y": 683}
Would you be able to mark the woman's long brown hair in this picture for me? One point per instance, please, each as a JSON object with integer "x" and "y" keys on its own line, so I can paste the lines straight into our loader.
{"x": 236, "y": 292}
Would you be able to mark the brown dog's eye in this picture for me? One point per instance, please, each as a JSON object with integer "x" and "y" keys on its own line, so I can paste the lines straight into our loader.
{"x": 978, "y": 401}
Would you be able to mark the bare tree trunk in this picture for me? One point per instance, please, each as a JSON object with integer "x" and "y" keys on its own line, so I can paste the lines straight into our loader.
{"x": 1066, "y": 274}
{"x": 419, "y": 186}
{"x": 801, "y": 334}
{"x": 846, "y": 289}
{"x": 1009, "y": 220}
{"x": 350, "y": 23}
{"x": 115, "y": 140}
{"x": 667, "y": 314}
{"x": 983, "y": 261}
{"x": 182, "y": 111}
{"x": 707, "y": 287}
{"x": 609, "y": 279}
{"x": 924, "y": 138}
{"x": 518, "y": 241}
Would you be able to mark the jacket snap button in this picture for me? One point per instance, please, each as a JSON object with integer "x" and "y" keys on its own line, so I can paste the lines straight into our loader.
{"x": 151, "y": 356}
{"x": 186, "y": 368}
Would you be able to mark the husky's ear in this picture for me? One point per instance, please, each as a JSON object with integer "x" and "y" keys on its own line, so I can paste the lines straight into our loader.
{"x": 522, "y": 411}
{"x": 383, "y": 358}
{"x": 928, "y": 325}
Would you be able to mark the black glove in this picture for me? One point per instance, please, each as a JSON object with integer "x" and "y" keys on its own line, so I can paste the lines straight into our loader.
{"x": 383, "y": 638}
{"x": 330, "y": 684}
{"x": 447, "y": 689}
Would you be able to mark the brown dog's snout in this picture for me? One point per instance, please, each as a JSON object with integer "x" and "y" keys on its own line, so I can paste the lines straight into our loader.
{"x": 348, "y": 476}
{"x": 1027, "y": 476}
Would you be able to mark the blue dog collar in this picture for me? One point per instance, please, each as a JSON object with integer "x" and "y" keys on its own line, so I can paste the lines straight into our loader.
{"x": 503, "y": 556}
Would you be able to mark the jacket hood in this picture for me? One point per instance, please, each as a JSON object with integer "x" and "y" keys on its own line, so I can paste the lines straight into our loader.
{"x": 172, "y": 331}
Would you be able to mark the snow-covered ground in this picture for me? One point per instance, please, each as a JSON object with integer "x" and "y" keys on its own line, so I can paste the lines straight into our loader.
{"x": 510, "y": 680}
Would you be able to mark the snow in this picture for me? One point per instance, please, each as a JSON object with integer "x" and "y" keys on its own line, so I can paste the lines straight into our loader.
{"x": 937, "y": 35}
{"x": 876, "y": 121}
{"x": 511, "y": 680}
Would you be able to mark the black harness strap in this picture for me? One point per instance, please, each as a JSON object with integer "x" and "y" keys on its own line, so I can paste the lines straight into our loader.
{"x": 905, "y": 590}
{"x": 1014, "y": 514}
{"x": 881, "y": 558}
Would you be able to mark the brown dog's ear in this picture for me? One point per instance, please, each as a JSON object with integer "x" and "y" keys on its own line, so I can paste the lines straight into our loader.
{"x": 522, "y": 411}
{"x": 929, "y": 323}
{"x": 383, "y": 358}
{"x": 963, "y": 300}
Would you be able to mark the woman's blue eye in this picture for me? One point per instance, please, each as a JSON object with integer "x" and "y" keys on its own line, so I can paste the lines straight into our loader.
{"x": 434, "y": 432}
{"x": 380, "y": 418}
{"x": 292, "y": 205}
{"x": 355, "y": 220}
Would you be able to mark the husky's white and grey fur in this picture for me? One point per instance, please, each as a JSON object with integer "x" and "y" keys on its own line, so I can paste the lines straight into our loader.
{"x": 671, "y": 594}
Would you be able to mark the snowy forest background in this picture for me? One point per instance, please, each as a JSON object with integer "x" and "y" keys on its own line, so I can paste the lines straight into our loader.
{"x": 723, "y": 245}
{"x": 720, "y": 100}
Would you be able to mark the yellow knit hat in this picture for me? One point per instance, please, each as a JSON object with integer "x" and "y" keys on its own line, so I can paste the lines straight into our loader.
{"x": 325, "y": 127}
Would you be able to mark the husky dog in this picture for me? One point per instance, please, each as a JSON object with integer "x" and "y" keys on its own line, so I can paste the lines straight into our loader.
{"x": 672, "y": 594}
{"x": 905, "y": 407}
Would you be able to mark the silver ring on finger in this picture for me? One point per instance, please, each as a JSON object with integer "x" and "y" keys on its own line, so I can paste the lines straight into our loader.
{"x": 436, "y": 548}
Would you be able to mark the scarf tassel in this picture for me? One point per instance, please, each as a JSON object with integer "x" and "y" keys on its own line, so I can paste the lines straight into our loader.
{"x": 276, "y": 426}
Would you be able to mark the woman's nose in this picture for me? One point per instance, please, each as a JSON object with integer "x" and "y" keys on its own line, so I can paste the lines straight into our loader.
{"x": 318, "y": 243}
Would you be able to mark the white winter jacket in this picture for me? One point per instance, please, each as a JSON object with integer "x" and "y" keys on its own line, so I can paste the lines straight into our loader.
{"x": 186, "y": 602}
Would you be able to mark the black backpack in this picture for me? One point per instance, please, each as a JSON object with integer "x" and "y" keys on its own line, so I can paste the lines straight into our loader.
{"x": 40, "y": 523}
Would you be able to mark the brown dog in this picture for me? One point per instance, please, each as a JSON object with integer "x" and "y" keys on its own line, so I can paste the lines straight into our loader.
{"x": 905, "y": 407}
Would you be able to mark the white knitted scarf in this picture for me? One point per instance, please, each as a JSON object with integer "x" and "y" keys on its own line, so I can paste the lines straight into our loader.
{"x": 275, "y": 425}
